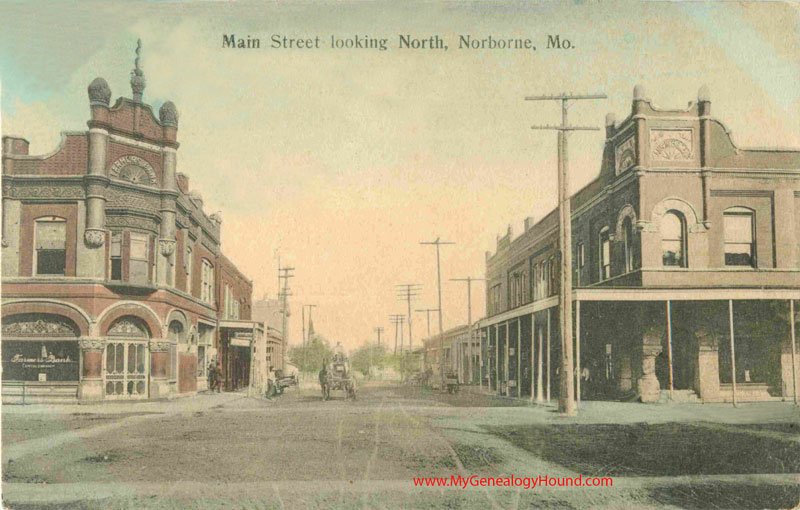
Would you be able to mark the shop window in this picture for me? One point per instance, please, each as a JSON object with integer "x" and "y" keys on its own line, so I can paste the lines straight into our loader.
{"x": 739, "y": 240}
{"x": 673, "y": 239}
{"x": 604, "y": 247}
{"x": 51, "y": 246}
{"x": 139, "y": 259}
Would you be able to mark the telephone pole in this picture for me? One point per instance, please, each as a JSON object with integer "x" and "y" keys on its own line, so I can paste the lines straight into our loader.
{"x": 566, "y": 398}
{"x": 469, "y": 281}
{"x": 284, "y": 273}
{"x": 398, "y": 321}
{"x": 379, "y": 330}
{"x": 438, "y": 242}
{"x": 428, "y": 313}
{"x": 406, "y": 291}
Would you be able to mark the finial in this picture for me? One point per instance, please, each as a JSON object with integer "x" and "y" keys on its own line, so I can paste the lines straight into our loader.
{"x": 137, "y": 75}
{"x": 610, "y": 119}
{"x": 638, "y": 93}
{"x": 703, "y": 95}
{"x": 168, "y": 114}
{"x": 99, "y": 92}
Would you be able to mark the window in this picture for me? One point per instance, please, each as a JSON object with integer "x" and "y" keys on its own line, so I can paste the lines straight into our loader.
{"x": 51, "y": 246}
{"x": 207, "y": 288}
{"x": 604, "y": 247}
{"x": 115, "y": 254}
{"x": 740, "y": 247}
{"x": 673, "y": 239}
{"x": 236, "y": 310}
{"x": 627, "y": 238}
{"x": 139, "y": 258}
{"x": 188, "y": 264}
{"x": 580, "y": 261}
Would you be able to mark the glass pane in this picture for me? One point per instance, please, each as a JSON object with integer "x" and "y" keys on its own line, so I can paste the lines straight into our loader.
{"x": 140, "y": 387}
{"x": 109, "y": 388}
{"x": 119, "y": 365}
{"x": 51, "y": 261}
{"x": 110, "y": 358}
{"x": 671, "y": 227}
{"x": 116, "y": 269}
{"x": 131, "y": 358}
{"x": 130, "y": 387}
{"x": 51, "y": 235}
{"x": 138, "y": 271}
{"x": 118, "y": 388}
{"x": 738, "y": 254}
{"x": 606, "y": 251}
{"x": 672, "y": 253}
{"x": 738, "y": 228}
{"x": 139, "y": 246}
{"x": 140, "y": 359}
{"x": 116, "y": 244}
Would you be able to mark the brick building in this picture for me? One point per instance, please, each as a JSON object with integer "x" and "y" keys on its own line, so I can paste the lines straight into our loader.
{"x": 113, "y": 281}
{"x": 269, "y": 311}
{"x": 685, "y": 250}
{"x": 456, "y": 354}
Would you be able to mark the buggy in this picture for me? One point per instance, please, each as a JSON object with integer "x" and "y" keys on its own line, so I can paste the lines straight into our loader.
{"x": 338, "y": 376}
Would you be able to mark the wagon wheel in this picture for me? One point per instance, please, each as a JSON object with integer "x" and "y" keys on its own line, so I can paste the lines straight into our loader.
{"x": 352, "y": 391}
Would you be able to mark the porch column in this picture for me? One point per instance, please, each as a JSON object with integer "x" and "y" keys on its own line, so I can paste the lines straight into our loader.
{"x": 578, "y": 351}
{"x": 533, "y": 354}
{"x": 159, "y": 367}
{"x": 733, "y": 351}
{"x": 91, "y": 384}
{"x": 794, "y": 353}
{"x": 707, "y": 371}
{"x": 548, "y": 355}
{"x": 505, "y": 353}
{"x": 480, "y": 359}
{"x": 669, "y": 349}
{"x": 496, "y": 358}
{"x": 648, "y": 385}
{"x": 517, "y": 351}
{"x": 789, "y": 361}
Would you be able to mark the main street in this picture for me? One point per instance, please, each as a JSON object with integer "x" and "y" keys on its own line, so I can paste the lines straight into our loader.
{"x": 295, "y": 451}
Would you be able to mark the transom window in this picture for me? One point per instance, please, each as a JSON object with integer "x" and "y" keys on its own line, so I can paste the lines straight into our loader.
{"x": 673, "y": 239}
{"x": 51, "y": 246}
{"x": 740, "y": 246}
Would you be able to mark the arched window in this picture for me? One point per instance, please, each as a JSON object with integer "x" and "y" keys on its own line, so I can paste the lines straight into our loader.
{"x": 740, "y": 243}
{"x": 604, "y": 247}
{"x": 673, "y": 239}
{"x": 627, "y": 238}
{"x": 51, "y": 245}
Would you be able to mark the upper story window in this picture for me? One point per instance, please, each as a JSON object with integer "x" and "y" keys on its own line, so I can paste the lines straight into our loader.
{"x": 627, "y": 241}
{"x": 553, "y": 273}
{"x": 236, "y": 310}
{"x": 580, "y": 262}
{"x": 207, "y": 282}
{"x": 604, "y": 247}
{"x": 740, "y": 246}
{"x": 139, "y": 258}
{"x": 51, "y": 246}
{"x": 494, "y": 299}
{"x": 115, "y": 254}
{"x": 188, "y": 265}
{"x": 673, "y": 239}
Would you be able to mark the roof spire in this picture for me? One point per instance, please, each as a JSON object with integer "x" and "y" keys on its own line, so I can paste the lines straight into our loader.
{"x": 137, "y": 75}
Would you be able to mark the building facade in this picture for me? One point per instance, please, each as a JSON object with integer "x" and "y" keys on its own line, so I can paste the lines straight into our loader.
{"x": 456, "y": 354}
{"x": 269, "y": 311}
{"x": 113, "y": 279}
{"x": 686, "y": 264}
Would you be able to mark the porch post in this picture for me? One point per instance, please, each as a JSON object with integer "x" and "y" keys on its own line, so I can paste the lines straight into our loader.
{"x": 733, "y": 351}
{"x": 506, "y": 371}
{"x": 480, "y": 359}
{"x": 540, "y": 372}
{"x": 517, "y": 351}
{"x": 669, "y": 347}
{"x": 497, "y": 357}
{"x": 578, "y": 350}
{"x": 533, "y": 353}
{"x": 794, "y": 349}
{"x": 548, "y": 355}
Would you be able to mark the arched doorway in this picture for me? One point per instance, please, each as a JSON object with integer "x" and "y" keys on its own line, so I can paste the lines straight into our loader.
{"x": 125, "y": 366}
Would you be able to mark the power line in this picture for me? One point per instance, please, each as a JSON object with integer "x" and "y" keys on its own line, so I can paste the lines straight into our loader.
{"x": 407, "y": 291}
{"x": 438, "y": 242}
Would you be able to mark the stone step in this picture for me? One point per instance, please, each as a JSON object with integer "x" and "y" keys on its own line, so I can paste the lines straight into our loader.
{"x": 681, "y": 396}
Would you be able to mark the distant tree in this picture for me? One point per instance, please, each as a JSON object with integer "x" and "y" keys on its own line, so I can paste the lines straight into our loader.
{"x": 368, "y": 356}
{"x": 309, "y": 358}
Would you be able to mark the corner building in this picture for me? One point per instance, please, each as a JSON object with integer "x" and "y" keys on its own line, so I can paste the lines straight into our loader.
{"x": 686, "y": 265}
{"x": 113, "y": 281}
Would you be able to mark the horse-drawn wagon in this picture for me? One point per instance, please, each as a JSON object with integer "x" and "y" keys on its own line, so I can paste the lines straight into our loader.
{"x": 337, "y": 376}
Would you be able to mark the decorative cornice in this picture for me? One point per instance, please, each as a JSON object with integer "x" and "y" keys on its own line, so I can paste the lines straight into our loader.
{"x": 92, "y": 343}
{"x": 159, "y": 345}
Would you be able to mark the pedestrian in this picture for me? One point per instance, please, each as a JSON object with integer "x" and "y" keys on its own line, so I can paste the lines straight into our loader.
{"x": 212, "y": 376}
{"x": 218, "y": 379}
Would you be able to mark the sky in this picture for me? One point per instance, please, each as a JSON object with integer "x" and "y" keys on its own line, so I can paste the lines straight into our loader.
{"x": 341, "y": 161}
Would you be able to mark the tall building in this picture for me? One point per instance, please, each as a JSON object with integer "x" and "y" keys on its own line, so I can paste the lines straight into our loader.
{"x": 686, "y": 257}
{"x": 114, "y": 285}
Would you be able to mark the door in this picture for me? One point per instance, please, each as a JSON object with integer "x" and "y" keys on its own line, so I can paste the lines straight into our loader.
{"x": 125, "y": 370}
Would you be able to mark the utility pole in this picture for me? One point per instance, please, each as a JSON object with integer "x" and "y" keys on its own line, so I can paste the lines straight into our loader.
{"x": 469, "y": 281}
{"x": 438, "y": 242}
{"x": 566, "y": 398}
{"x": 428, "y": 313}
{"x": 406, "y": 291}
{"x": 379, "y": 330}
{"x": 284, "y": 273}
{"x": 398, "y": 321}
